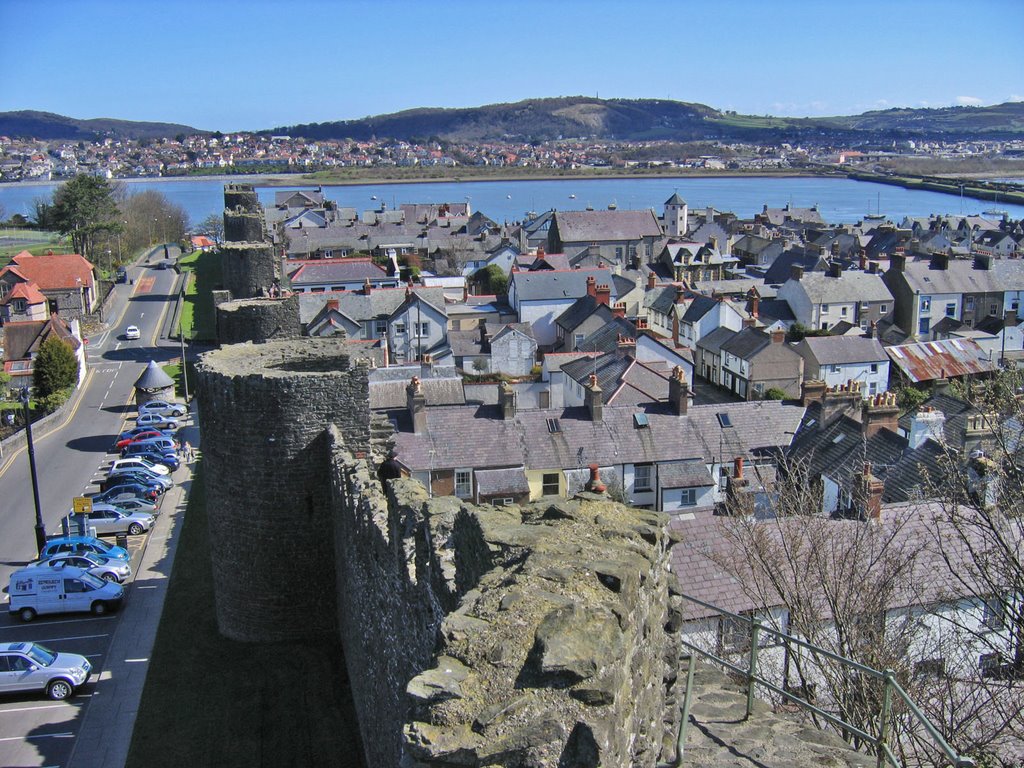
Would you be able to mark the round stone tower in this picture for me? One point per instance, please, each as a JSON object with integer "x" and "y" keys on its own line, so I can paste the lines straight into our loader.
{"x": 258, "y": 320}
{"x": 248, "y": 264}
{"x": 264, "y": 409}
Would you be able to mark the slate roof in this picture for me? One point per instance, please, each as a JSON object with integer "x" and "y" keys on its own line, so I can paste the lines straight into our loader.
{"x": 684, "y": 474}
{"x": 945, "y": 358}
{"x": 606, "y": 338}
{"x": 713, "y": 341}
{"x": 326, "y": 271}
{"x": 697, "y": 308}
{"x": 153, "y": 377}
{"x": 579, "y": 311}
{"x": 499, "y": 330}
{"x": 440, "y": 386}
{"x": 770, "y": 310}
{"x": 851, "y": 287}
{"x": 959, "y": 277}
{"x": 315, "y": 197}
{"x": 587, "y": 226}
{"x": 954, "y": 409}
{"x": 675, "y": 200}
{"x": 380, "y": 304}
{"x": 782, "y": 268}
{"x": 555, "y": 284}
{"x": 468, "y": 436}
{"x": 844, "y": 350}
{"x": 661, "y": 298}
{"x": 746, "y": 343}
{"x": 23, "y": 338}
{"x": 491, "y": 482}
{"x": 609, "y": 369}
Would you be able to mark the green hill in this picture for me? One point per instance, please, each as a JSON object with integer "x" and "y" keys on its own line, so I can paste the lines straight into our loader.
{"x": 46, "y": 125}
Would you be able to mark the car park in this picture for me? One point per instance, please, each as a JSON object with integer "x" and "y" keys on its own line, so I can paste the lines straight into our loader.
{"x": 36, "y": 591}
{"x": 132, "y": 332}
{"x": 162, "y": 407}
{"x": 136, "y": 461}
{"x": 107, "y": 568}
{"x": 28, "y": 666}
{"x": 157, "y": 420}
{"x": 108, "y": 520}
{"x": 82, "y": 545}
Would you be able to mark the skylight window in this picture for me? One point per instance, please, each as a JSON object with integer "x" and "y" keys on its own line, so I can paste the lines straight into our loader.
{"x": 838, "y": 439}
{"x": 554, "y": 426}
{"x": 640, "y": 420}
{"x": 724, "y": 420}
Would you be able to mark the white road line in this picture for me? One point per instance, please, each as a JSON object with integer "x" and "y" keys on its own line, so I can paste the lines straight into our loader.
{"x": 54, "y": 623}
{"x": 135, "y": 661}
{"x": 74, "y": 637}
{"x": 68, "y": 735}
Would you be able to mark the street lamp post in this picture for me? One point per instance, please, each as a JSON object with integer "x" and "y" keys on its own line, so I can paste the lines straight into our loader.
{"x": 40, "y": 528}
{"x": 181, "y": 334}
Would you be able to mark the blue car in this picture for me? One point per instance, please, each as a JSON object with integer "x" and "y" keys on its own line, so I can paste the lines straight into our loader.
{"x": 113, "y": 493}
{"x": 83, "y": 545}
{"x": 169, "y": 460}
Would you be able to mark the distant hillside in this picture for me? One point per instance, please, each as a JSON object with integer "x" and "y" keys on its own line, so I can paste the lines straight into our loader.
{"x": 46, "y": 125}
{"x": 645, "y": 119}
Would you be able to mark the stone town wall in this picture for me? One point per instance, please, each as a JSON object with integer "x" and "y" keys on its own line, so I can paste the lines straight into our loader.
{"x": 258, "y": 320}
{"x": 248, "y": 269}
{"x": 534, "y": 636}
{"x": 264, "y": 409}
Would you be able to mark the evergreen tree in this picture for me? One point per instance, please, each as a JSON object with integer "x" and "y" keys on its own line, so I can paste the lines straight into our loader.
{"x": 55, "y": 367}
{"x": 84, "y": 207}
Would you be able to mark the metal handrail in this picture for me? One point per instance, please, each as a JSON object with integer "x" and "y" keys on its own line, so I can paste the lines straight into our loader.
{"x": 880, "y": 743}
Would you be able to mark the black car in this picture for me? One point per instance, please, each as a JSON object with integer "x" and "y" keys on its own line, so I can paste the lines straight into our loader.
{"x": 121, "y": 275}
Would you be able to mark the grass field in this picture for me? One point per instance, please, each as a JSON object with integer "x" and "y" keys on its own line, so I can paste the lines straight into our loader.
{"x": 202, "y": 270}
{"x": 212, "y": 701}
{"x": 13, "y": 241}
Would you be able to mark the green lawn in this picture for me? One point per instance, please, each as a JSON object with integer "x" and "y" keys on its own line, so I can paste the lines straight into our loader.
{"x": 202, "y": 274}
{"x": 41, "y": 242}
{"x": 211, "y": 701}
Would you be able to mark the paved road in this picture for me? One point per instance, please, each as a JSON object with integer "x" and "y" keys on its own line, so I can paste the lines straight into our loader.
{"x": 69, "y": 459}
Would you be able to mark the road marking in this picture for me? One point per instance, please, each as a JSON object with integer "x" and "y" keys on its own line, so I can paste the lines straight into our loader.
{"x": 33, "y": 709}
{"x": 75, "y": 637}
{"x": 54, "y": 623}
{"x": 67, "y": 735}
{"x": 135, "y": 661}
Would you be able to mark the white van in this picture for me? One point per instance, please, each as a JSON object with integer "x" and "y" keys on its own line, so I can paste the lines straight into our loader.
{"x": 35, "y": 591}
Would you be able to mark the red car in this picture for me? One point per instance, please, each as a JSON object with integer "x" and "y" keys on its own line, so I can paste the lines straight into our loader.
{"x": 136, "y": 438}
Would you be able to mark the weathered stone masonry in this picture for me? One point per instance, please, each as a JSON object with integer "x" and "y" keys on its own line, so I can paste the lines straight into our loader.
{"x": 472, "y": 635}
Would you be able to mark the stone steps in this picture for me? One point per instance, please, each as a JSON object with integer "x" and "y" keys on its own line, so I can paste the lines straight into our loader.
{"x": 719, "y": 736}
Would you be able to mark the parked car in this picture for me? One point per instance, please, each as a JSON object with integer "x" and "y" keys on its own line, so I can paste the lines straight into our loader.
{"x": 157, "y": 420}
{"x": 163, "y": 407}
{"x": 110, "y": 521}
{"x": 82, "y": 545}
{"x": 132, "y": 332}
{"x": 126, "y": 489}
{"x": 34, "y": 667}
{"x": 138, "y": 505}
{"x": 141, "y": 475}
{"x": 35, "y": 591}
{"x": 106, "y": 568}
{"x": 120, "y": 494}
{"x": 144, "y": 434}
{"x": 136, "y": 461}
{"x": 149, "y": 450}
{"x": 169, "y": 460}
{"x": 164, "y": 444}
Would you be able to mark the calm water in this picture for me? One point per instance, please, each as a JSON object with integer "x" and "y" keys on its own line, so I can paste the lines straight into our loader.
{"x": 839, "y": 200}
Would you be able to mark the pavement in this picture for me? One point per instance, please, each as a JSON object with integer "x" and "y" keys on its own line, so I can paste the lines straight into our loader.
{"x": 105, "y": 734}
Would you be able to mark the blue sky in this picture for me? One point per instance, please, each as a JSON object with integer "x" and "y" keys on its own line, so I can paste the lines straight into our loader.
{"x": 252, "y": 64}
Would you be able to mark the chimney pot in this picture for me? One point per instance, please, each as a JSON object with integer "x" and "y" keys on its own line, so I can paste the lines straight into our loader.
{"x": 796, "y": 272}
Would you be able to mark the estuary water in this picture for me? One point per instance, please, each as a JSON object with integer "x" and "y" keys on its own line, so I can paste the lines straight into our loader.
{"x": 839, "y": 200}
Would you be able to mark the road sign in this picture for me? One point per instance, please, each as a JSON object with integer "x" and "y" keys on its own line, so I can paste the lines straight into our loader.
{"x": 82, "y": 505}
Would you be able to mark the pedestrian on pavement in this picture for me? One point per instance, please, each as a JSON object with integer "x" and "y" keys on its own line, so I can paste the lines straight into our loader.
{"x": 188, "y": 451}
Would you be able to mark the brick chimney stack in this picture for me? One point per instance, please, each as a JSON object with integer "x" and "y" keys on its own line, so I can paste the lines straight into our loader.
{"x": 594, "y": 484}
{"x": 367, "y": 287}
{"x": 739, "y": 499}
{"x": 880, "y": 412}
{"x": 619, "y": 310}
{"x": 843, "y": 399}
{"x": 416, "y": 402}
{"x": 625, "y": 344}
{"x": 812, "y": 391}
{"x": 678, "y": 392}
{"x": 332, "y": 304}
{"x": 603, "y": 294}
{"x": 592, "y": 396}
{"x": 652, "y": 281}
{"x": 868, "y": 494}
{"x": 591, "y": 286}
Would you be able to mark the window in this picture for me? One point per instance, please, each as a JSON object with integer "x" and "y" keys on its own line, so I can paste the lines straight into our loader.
{"x": 463, "y": 483}
{"x": 503, "y": 502}
{"x": 969, "y": 304}
{"x": 618, "y": 253}
{"x": 1015, "y": 305}
{"x": 549, "y": 484}
{"x": 842, "y": 311}
{"x": 992, "y": 613}
{"x": 380, "y": 328}
{"x": 924, "y": 325}
{"x": 577, "y": 339}
{"x": 824, "y": 326}
{"x": 73, "y": 585}
{"x": 642, "y": 478}
{"x": 874, "y": 367}
{"x": 951, "y": 310}
{"x": 688, "y": 497}
{"x": 926, "y": 304}
{"x": 873, "y": 388}
{"x": 632, "y": 251}
{"x": 824, "y": 309}
{"x": 835, "y": 369}
{"x": 883, "y": 308}
{"x": 993, "y": 309}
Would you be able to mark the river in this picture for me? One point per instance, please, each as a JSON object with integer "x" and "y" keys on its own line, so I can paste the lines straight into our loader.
{"x": 839, "y": 200}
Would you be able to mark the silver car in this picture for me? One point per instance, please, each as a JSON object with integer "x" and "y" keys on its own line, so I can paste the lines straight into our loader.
{"x": 110, "y": 520}
{"x": 114, "y": 570}
{"x": 163, "y": 407}
{"x": 157, "y": 421}
{"x": 27, "y": 666}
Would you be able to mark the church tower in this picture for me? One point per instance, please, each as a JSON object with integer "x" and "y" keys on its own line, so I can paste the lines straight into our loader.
{"x": 675, "y": 218}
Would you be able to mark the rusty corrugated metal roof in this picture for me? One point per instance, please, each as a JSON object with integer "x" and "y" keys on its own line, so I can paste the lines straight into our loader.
{"x": 946, "y": 358}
